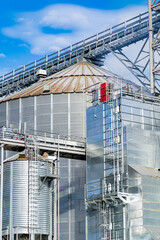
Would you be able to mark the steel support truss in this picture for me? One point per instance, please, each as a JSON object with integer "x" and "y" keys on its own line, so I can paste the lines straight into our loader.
{"x": 140, "y": 67}
{"x": 135, "y": 67}
{"x": 93, "y": 48}
{"x": 146, "y": 66}
{"x": 154, "y": 46}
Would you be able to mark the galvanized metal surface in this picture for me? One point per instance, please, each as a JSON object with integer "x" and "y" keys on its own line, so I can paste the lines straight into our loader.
{"x": 19, "y": 199}
{"x": 48, "y": 113}
{"x": 64, "y": 114}
{"x": 146, "y": 171}
{"x": 122, "y": 192}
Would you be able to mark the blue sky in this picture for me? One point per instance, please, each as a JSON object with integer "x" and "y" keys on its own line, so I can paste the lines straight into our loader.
{"x": 29, "y": 30}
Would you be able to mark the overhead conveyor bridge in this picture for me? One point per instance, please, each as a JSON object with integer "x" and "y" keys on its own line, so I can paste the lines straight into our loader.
{"x": 67, "y": 146}
{"x": 93, "y": 48}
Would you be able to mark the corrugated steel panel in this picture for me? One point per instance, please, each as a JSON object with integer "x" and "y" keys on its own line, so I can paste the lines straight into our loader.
{"x": 13, "y": 108}
{"x": 20, "y": 197}
{"x": 20, "y": 193}
{"x": 3, "y": 114}
{"x": 62, "y": 113}
{"x": 6, "y": 196}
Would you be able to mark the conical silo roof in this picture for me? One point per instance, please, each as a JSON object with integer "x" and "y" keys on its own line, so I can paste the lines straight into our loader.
{"x": 76, "y": 78}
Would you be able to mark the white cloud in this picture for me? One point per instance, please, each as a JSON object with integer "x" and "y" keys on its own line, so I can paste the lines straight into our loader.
{"x": 4, "y": 70}
{"x": 2, "y": 55}
{"x": 81, "y": 21}
{"x": 23, "y": 45}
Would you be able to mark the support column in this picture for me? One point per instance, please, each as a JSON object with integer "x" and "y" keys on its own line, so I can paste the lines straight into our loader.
{"x": 124, "y": 223}
{"x": 32, "y": 234}
{"x": 51, "y": 126}
{"x": 20, "y": 115}
{"x": 55, "y": 198}
{"x": 51, "y": 209}
{"x": 35, "y": 114}
{"x": 151, "y": 53}
{"x": 11, "y": 235}
{"x": 1, "y": 202}
{"x": 69, "y": 170}
{"x": 58, "y": 193}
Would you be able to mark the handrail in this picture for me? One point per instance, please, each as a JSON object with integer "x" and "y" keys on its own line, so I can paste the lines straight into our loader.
{"x": 14, "y": 133}
{"x": 80, "y": 49}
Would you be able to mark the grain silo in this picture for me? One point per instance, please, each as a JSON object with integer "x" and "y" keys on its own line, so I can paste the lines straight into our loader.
{"x": 56, "y": 104}
{"x": 27, "y": 200}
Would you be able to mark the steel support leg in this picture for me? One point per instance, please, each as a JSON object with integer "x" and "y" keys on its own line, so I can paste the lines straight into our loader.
{"x": 1, "y": 202}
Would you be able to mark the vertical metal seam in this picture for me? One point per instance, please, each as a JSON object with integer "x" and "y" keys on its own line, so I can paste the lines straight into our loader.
{"x": 1, "y": 202}
{"x": 69, "y": 115}
{"x": 69, "y": 171}
{"x": 11, "y": 202}
{"x": 84, "y": 114}
{"x": 35, "y": 113}
{"x": 142, "y": 116}
{"x": 7, "y": 114}
{"x": 51, "y": 127}
{"x": 20, "y": 114}
{"x": 51, "y": 211}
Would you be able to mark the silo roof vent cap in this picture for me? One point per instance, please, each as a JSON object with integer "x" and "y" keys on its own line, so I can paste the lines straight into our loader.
{"x": 46, "y": 89}
{"x": 41, "y": 73}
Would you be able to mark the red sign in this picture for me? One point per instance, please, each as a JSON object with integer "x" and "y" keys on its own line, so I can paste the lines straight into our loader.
{"x": 104, "y": 90}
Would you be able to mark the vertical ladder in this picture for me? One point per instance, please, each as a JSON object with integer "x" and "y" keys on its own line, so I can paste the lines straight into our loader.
{"x": 106, "y": 222}
{"x": 113, "y": 181}
{"x": 31, "y": 151}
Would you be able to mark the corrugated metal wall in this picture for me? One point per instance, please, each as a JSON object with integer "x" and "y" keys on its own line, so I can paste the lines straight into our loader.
{"x": 59, "y": 113}
{"x": 6, "y": 197}
{"x": 16, "y": 199}
{"x": 64, "y": 114}
{"x": 3, "y": 114}
{"x": 131, "y": 128}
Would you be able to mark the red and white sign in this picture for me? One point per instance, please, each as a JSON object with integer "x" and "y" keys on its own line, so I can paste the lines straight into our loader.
{"x": 104, "y": 91}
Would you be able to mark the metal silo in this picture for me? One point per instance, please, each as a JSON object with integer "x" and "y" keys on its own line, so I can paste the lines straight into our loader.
{"x": 27, "y": 199}
{"x": 56, "y": 104}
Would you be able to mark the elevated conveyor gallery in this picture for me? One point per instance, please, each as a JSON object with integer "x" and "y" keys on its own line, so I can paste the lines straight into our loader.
{"x": 93, "y": 48}
{"x": 66, "y": 146}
